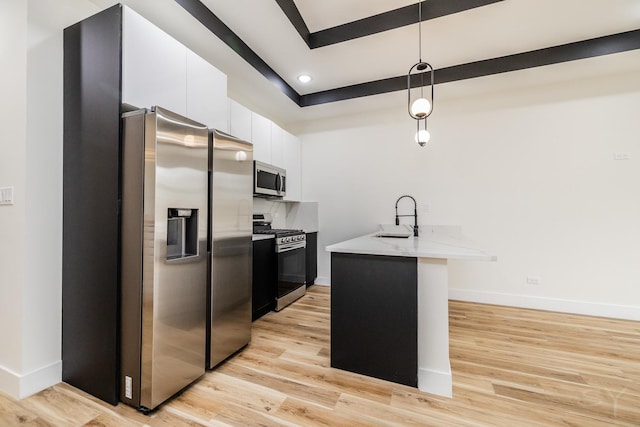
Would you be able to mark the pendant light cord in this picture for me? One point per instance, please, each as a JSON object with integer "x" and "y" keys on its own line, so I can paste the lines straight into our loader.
{"x": 420, "y": 46}
{"x": 420, "y": 30}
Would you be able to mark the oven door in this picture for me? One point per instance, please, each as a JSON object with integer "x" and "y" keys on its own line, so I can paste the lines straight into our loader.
{"x": 291, "y": 274}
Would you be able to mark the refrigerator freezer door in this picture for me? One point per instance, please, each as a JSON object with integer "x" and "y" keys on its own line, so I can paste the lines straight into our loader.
{"x": 164, "y": 262}
{"x": 229, "y": 323}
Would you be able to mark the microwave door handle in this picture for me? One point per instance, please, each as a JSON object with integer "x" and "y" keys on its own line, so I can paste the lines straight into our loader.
{"x": 279, "y": 183}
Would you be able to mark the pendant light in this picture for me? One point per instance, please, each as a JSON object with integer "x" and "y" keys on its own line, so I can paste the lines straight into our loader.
{"x": 420, "y": 108}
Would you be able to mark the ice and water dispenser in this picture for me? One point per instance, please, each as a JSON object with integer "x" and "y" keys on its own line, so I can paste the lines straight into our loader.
{"x": 182, "y": 233}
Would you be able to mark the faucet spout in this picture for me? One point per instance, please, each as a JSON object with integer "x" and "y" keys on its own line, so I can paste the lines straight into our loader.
{"x": 415, "y": 214}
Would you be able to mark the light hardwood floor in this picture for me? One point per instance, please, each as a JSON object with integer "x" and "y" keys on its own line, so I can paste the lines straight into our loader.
{"x": 511, "y": 367}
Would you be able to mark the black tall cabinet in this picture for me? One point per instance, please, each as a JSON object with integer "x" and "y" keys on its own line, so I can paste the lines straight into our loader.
{"x": 91, "y": 204}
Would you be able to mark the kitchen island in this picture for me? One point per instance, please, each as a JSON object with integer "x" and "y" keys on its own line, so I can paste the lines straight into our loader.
{"x": 389, "y": 305}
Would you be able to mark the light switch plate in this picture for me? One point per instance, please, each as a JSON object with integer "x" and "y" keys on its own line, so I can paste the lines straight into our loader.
{"x": 6, "y": 196}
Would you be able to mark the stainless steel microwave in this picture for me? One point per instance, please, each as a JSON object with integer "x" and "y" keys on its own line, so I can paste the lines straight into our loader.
{"x": 269, "y": 181}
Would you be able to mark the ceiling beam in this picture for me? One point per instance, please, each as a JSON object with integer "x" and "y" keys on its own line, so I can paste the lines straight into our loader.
{"x": 605, "y": 45}
{"x": 224, "y": 33}
{"x": 377, "y": 23}
{"x": 293, "y": 14}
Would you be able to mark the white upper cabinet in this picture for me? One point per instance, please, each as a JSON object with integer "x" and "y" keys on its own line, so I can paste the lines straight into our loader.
{"x": 159, "y": 70}
{"x": 239, "y": 121}
{"x": 206, "y": 93}
{"x": 261, "y": 138}
{"x": 153, "y": 66}
{"x": 271, "y": 144}
{"x": 277, "y": 145}
{"x": 292, "y": 158}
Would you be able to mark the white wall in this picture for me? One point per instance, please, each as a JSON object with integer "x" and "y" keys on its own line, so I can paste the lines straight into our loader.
{"x": 13, "y": 85}
{"x": 529, "y": 175}
{"x": 31, "y": 40}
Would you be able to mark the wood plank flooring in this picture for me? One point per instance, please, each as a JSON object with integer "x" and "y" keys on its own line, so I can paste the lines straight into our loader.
{"x": 511, "y": 367}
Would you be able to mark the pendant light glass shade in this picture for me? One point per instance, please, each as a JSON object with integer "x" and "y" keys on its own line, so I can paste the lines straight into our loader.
{"x": 421, "y": 107}
{"x": 422, "y": 137}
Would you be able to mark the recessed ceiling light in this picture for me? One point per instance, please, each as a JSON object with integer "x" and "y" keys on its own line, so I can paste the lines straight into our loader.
{"x": 304, "y": 78}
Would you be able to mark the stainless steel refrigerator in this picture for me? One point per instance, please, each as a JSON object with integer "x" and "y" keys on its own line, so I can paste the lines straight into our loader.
{"x": 163, "y": 255}
{"x": 231, "y": 231}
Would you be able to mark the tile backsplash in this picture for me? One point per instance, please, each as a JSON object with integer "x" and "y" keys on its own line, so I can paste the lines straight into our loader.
{"x": 299, "y": 215}
{"x": 277, "y": 209}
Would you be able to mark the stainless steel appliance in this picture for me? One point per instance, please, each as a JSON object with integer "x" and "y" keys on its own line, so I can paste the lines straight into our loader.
{"x": 290, "y": 250}
{"x": 269, "y": 181}
{"x": 231, "y": 199}
{"x": 163, "y": 256}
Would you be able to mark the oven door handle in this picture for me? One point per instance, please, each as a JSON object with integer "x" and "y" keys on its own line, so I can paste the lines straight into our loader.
{"x": 290, "y": 247}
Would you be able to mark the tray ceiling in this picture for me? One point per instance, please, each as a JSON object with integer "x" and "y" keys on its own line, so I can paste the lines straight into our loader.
{"x": 268, "y": 43}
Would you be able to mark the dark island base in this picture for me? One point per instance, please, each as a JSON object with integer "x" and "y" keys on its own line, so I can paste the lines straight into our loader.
{"x": 374, "y": 316}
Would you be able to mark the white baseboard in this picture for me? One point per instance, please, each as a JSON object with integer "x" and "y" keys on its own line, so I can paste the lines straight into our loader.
{"x": 326, "y": 281}
{"x": 21, "y": 386}
{"x": 435, "y": 382}
{"x": 626, "y": 312}
{"x": 9, "y": 382}
{"x": 614, "y": 311}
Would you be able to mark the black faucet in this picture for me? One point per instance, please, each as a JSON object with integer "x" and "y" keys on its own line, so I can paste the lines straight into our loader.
{"x": 415, "y": 214}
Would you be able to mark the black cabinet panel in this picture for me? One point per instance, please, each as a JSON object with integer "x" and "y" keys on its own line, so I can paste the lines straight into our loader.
{"x": 312, "y": 258}
{"x": 90, "y": 276}
{"x": 374, "y": 316}
{"x": 264, "y": 277}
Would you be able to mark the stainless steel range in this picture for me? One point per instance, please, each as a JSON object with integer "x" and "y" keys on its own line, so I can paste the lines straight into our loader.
{"x": 290, "y": 246}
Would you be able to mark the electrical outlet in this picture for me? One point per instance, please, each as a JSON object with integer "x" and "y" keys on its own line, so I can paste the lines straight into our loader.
{"x": 621, "y": 156}
{"x": 533, "y": 280}
{"x": 6, "y": 196}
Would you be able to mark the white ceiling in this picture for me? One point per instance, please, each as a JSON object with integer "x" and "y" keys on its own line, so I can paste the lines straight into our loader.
{"x": 320, "y": 15}
{"x": 503, "y": 28}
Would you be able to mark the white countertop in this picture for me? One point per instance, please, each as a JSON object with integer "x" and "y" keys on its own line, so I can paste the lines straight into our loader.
{"x": 433, "y": 242}
{"x": 262, "y": 237}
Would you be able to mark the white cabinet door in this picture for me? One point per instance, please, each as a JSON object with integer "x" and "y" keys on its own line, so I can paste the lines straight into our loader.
{"x": 239, "y": 121}
{"x": 153, "y": 66}
{"x": 206, "y": 93}
{"x": 292, "y": 163}
{"x": 261, "y": 138}
{"x": 277, "y": 145}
